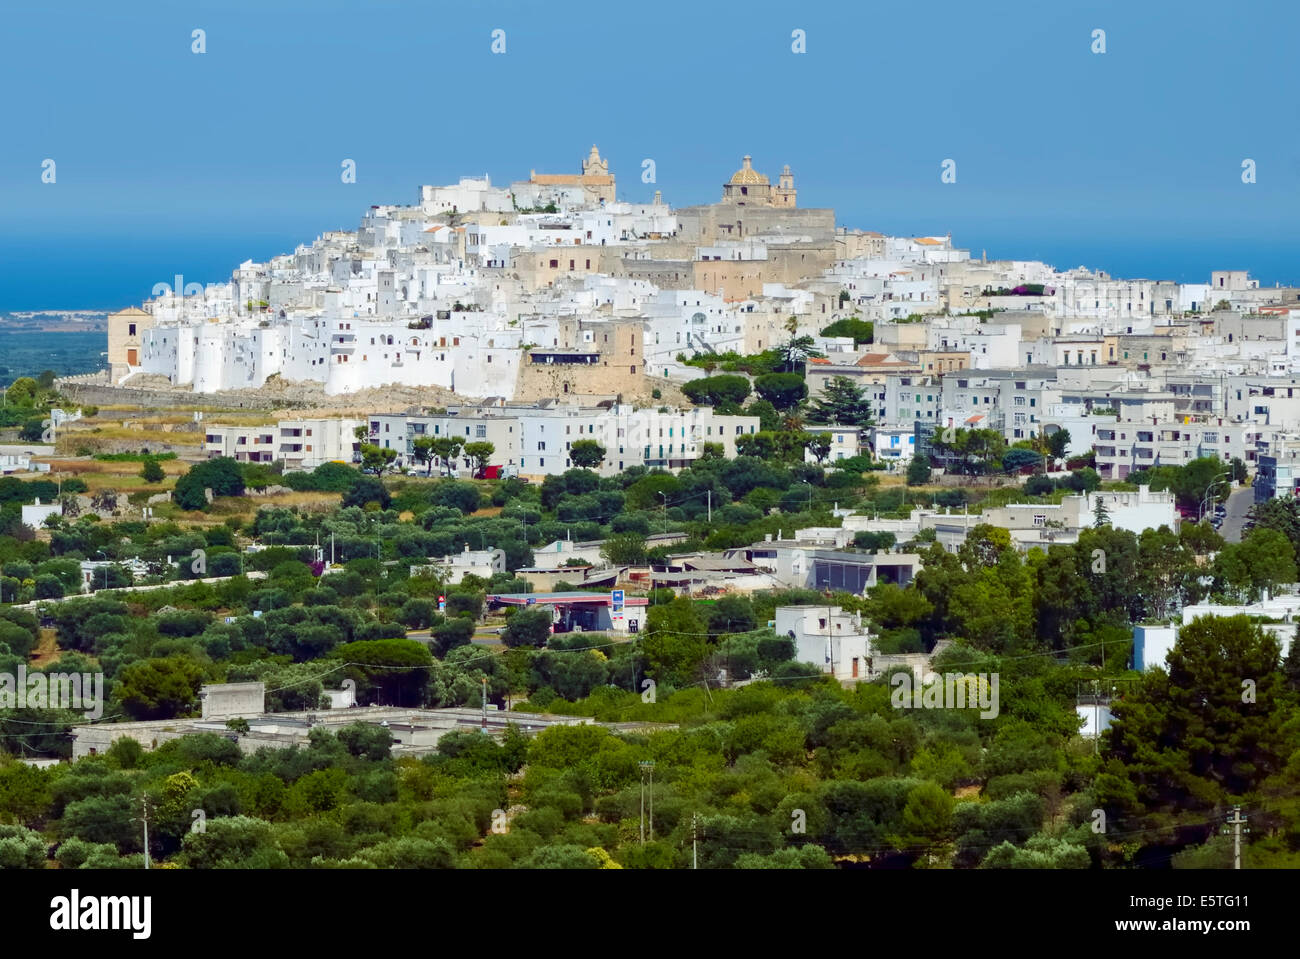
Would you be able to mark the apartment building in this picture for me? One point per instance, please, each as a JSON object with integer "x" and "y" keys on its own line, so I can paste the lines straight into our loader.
{"x": 537, "y": 440}
{"x": 301, "y": 444}
{"x": 1125, "y": 447}
{"x": 1277, "y": 466}
{"x": 1013, "y": 402}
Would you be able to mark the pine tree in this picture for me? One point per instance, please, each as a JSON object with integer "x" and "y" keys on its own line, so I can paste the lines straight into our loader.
{"x": 842, "y": 402}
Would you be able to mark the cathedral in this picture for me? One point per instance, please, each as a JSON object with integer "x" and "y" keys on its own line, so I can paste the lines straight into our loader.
{"x": 593, "y": 187}
{"x": 748, "y": 187}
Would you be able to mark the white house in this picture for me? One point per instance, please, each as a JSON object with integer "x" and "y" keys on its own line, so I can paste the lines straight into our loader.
{"x": 36, "y": 514}
{"x": 827, "y": 637}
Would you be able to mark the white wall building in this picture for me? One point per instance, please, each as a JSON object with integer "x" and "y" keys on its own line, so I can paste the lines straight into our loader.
{"x": 835, "y": 641}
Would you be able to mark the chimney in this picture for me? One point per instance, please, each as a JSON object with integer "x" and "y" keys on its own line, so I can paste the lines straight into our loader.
{"x": 467, "y": 547}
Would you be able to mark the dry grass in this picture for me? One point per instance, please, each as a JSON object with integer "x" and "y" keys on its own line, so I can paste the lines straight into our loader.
{"x": 80, "y": 467}
{"x": 47, "y": 649}
{"x": 137, "y": 434}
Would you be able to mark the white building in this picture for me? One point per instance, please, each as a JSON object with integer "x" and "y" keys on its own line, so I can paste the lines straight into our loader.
{"x": 483, "y": 563}
{"x": 831, "y": 639}
{"x": 36, "y": 514}
{"x": 301, "y": 444}
{"x": 538, "y": 440}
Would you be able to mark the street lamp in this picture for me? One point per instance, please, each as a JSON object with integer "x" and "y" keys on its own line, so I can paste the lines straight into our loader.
{"x": 100, "y": 552}
{"x": 1209, "y": 490}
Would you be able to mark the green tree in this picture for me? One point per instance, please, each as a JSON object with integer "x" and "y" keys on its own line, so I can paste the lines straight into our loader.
{"x": 452, "y": 634}
{"x": 675, "y": 643}
{"x": 32, "y": 431}
{"x": 586, "y": 454}
{"x": 479, "y": 453}
{"x": 233, "y": 842}
{"x": 152, "y": 471}
{"x": 422, "y": 450}
{"x": 23, "y": 392}
{"x": 1188, "y": 741}
{"x": 624, "y": 549}
{"x": 717, "y": 390}
{"x": 1017, "y": 459}
{"x": 796, "y": 351}
{"x": 367, "y": 489}
{"x": 376, "y": 459}
{"x": 446, "y": 449}
{"x": 159, "y": 688}
{"x": 842, "y": 402}
{"x": 862, "y": 331}
{"x": 918, "y": 471}
{"x": 1039, "y": 852}
{"x": 222, "y": 475}
{"x": 819, "y": 445}
{"x": 528, "y": 627}
{"x": 784, "y": 391}
{"x": 1058, "y": 443}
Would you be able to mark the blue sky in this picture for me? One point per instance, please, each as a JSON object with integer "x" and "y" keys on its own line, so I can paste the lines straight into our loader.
{"x": 170, "y": 162}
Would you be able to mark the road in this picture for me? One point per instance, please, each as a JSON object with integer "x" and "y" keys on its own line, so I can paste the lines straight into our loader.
{"x": 479, "y": 639}
{"x": 1239, "y": 503}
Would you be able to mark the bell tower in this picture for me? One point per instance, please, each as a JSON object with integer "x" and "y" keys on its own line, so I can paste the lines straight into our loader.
{"x": 785, "y": 193}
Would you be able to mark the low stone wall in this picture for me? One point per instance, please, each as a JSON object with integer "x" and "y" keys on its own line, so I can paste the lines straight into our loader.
{"x": 100, "y": 394}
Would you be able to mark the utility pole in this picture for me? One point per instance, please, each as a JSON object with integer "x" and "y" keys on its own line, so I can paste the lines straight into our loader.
{"x": 1236, "y": 821}
{"x": 1096, "y": 714}
{"x": 484, "y": 704}
{"x": 710, "y": 501}
{"x": 144, "y": 805}
{"x": 695, "y": 848}
{"x": 647, "y": 766}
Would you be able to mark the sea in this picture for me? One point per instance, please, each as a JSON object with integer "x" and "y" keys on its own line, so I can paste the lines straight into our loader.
{"x": 67, "y": 354}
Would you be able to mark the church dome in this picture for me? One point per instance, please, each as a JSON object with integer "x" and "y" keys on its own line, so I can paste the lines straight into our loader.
{"x": 747, "y": 175}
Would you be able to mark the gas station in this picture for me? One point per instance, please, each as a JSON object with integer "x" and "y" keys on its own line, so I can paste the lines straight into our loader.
{"x": 579, "y": 611}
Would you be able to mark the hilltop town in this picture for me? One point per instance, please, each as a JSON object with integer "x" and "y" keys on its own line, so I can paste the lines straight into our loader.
{"x": 550, "y": 291}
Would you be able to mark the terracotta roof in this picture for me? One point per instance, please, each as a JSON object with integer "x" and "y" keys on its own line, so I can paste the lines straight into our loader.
{"x": 881, "y": 359}
{"x": 571, "y": 179}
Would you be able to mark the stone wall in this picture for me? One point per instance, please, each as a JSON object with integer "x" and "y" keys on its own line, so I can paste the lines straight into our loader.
{"x": 100, "y": 394}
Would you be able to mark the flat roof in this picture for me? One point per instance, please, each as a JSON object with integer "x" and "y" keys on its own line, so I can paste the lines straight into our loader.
{"x": 567, "y": 596}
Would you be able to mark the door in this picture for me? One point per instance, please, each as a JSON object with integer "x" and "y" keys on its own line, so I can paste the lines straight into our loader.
{"x": 132, "y": 357}
{"x": 855, "y": 667}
